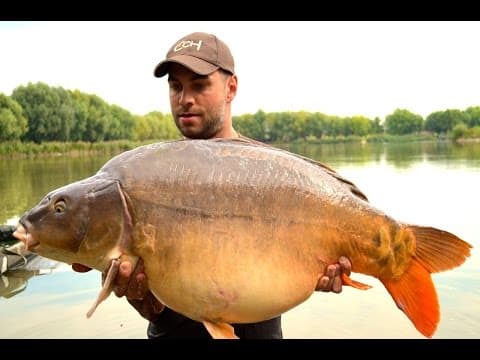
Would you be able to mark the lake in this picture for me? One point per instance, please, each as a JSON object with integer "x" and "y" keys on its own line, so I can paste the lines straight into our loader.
{"x": 427, "y": 183}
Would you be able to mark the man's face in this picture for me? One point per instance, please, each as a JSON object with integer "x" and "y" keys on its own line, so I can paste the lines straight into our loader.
{"x": 198, "y": 102}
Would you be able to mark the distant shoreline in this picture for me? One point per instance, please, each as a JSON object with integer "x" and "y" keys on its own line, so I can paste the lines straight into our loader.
{"x": 19, "y": 149}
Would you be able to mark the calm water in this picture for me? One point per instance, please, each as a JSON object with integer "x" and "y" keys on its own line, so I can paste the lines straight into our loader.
{"x": 435, "y": 184}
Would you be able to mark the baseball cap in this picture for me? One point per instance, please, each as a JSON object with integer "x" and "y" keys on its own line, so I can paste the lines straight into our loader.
{"x": 200, "y": 52}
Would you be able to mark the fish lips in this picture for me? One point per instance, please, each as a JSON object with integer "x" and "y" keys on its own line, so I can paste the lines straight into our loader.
{"x": 22, "y": 234}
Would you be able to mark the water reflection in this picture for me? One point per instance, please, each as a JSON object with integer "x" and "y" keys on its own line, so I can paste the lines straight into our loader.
{"x": 14, "y": 282}
{"x": 24, "y": 181}
{"x": 15, "y": 279}
{"x": 400, "y": 155}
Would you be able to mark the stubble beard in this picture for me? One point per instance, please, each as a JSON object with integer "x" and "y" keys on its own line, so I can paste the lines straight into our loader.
{"x": 211, "y": 125}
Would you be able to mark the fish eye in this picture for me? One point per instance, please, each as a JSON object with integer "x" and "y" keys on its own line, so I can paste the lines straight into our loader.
{"x": 60, "y": 206}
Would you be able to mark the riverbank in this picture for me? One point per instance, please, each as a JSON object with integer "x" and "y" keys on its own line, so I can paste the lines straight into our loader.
{"x": 18, "y": 149}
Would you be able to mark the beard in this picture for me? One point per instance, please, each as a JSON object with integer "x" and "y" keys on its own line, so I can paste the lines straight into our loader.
{"x": 211, "y": 124}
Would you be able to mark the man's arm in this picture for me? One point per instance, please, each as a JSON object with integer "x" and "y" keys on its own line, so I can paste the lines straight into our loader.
{"x": 132, "y": 283}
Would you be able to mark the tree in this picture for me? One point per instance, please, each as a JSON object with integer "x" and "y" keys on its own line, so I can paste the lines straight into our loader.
{"x": 402, "y": 122}
{"x": 49, "y": 111}
{"x": 246, "y": 125}
{"x": 122, "y": 126}
{"x": 333, "y": 125}
{"x": 253, "y": 126}
{"x": 472, "y": 116}
{"x": 459, "y": 131}
{"x": 282, "y": 126}
{"x": 315, "y": 125}
{"x": 444, "y": 121}
{"x": 377, "y": 127}
{"x": 155, "y": 125}
{"x": 80, "y": 115}
{"x": 13, "y": 124}
{"x": 361, "y": 125}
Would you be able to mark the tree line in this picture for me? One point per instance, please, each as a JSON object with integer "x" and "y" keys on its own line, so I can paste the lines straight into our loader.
{"x": 39, "y": 112}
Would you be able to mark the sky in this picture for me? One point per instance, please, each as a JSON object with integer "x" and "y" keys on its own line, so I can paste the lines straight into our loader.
{"x": 337, "y": 68}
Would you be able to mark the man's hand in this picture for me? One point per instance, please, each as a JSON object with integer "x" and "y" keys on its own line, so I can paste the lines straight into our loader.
{"x": 132, "y": 283}
{"x": 332, "y": 280}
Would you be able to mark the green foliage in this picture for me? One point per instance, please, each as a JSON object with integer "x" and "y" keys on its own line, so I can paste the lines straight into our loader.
{"x": 31, "y": 149}
{"x": 474, "y": 132}
{"x": 361, "y": 125}
{"x": 122, "y": 124}
{"x": 282, "y": 127}
{"x": 377, "y": 127}
{"x": 13, "y": 124}
{"x": 459, "y": 131}
{"x": 40, "y": 113}
{"x": 472, "y": 116}
{"x": 441, "y": 122}
{"x": 402, "y": 122}
{"x": 99, "y": 119}
{"x": 155, "y": 125}
{"x": 48, "y": 111}
{"x": 314, "y": 126}
{"x": 253, "y": 126}
{"x": 56, "y": 114}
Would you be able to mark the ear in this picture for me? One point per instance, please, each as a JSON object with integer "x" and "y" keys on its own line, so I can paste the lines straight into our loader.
{"x": 231, "y": 87}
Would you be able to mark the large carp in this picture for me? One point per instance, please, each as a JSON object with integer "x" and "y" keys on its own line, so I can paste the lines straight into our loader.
{"x": 235, "y": 232}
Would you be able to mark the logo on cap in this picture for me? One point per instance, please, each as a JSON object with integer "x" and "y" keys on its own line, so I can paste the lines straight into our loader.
{"x": 185, "y": 44}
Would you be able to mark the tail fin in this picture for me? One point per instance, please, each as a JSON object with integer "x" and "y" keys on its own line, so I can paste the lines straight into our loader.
{"x": 414, "y": 292}
{"x": 439, "y": 250}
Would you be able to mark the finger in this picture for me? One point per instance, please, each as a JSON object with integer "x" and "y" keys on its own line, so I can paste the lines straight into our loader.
{"x": 322, "y": 283}
{"x": 338, "y": 270}
{"x": 80, "y": 268}
{"x": 137, "y": 288}
{"x": 138, "y": 285}
{"x": 123, "y": 278}
{"x": 139, "y": 267}
{"x": 337, "y": 285}
{"x": 345, "y": 264}
{"x": 331, "y": 271}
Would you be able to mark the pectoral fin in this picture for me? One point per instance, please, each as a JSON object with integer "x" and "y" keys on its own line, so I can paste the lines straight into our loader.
{"x": 107, "y": 286}
{"x": 220, "y": 330}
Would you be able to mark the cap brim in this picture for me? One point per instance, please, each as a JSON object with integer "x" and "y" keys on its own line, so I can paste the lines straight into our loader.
{"x": 198, "y": 66}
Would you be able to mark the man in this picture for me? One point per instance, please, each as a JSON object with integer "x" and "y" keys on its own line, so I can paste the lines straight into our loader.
{"x": 202, "y": 85}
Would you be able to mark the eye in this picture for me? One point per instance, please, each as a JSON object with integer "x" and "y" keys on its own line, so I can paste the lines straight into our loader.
{"x": 175, "y": 87}
{"x": 199, "y": 86}
{"x": 60, "y": 206}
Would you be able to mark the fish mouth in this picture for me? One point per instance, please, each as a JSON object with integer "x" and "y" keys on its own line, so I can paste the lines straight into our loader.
{"x": 22, "y": 234}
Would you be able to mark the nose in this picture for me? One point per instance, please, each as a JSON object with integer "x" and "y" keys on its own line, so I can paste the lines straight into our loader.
{"x": 185, "y": 98}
